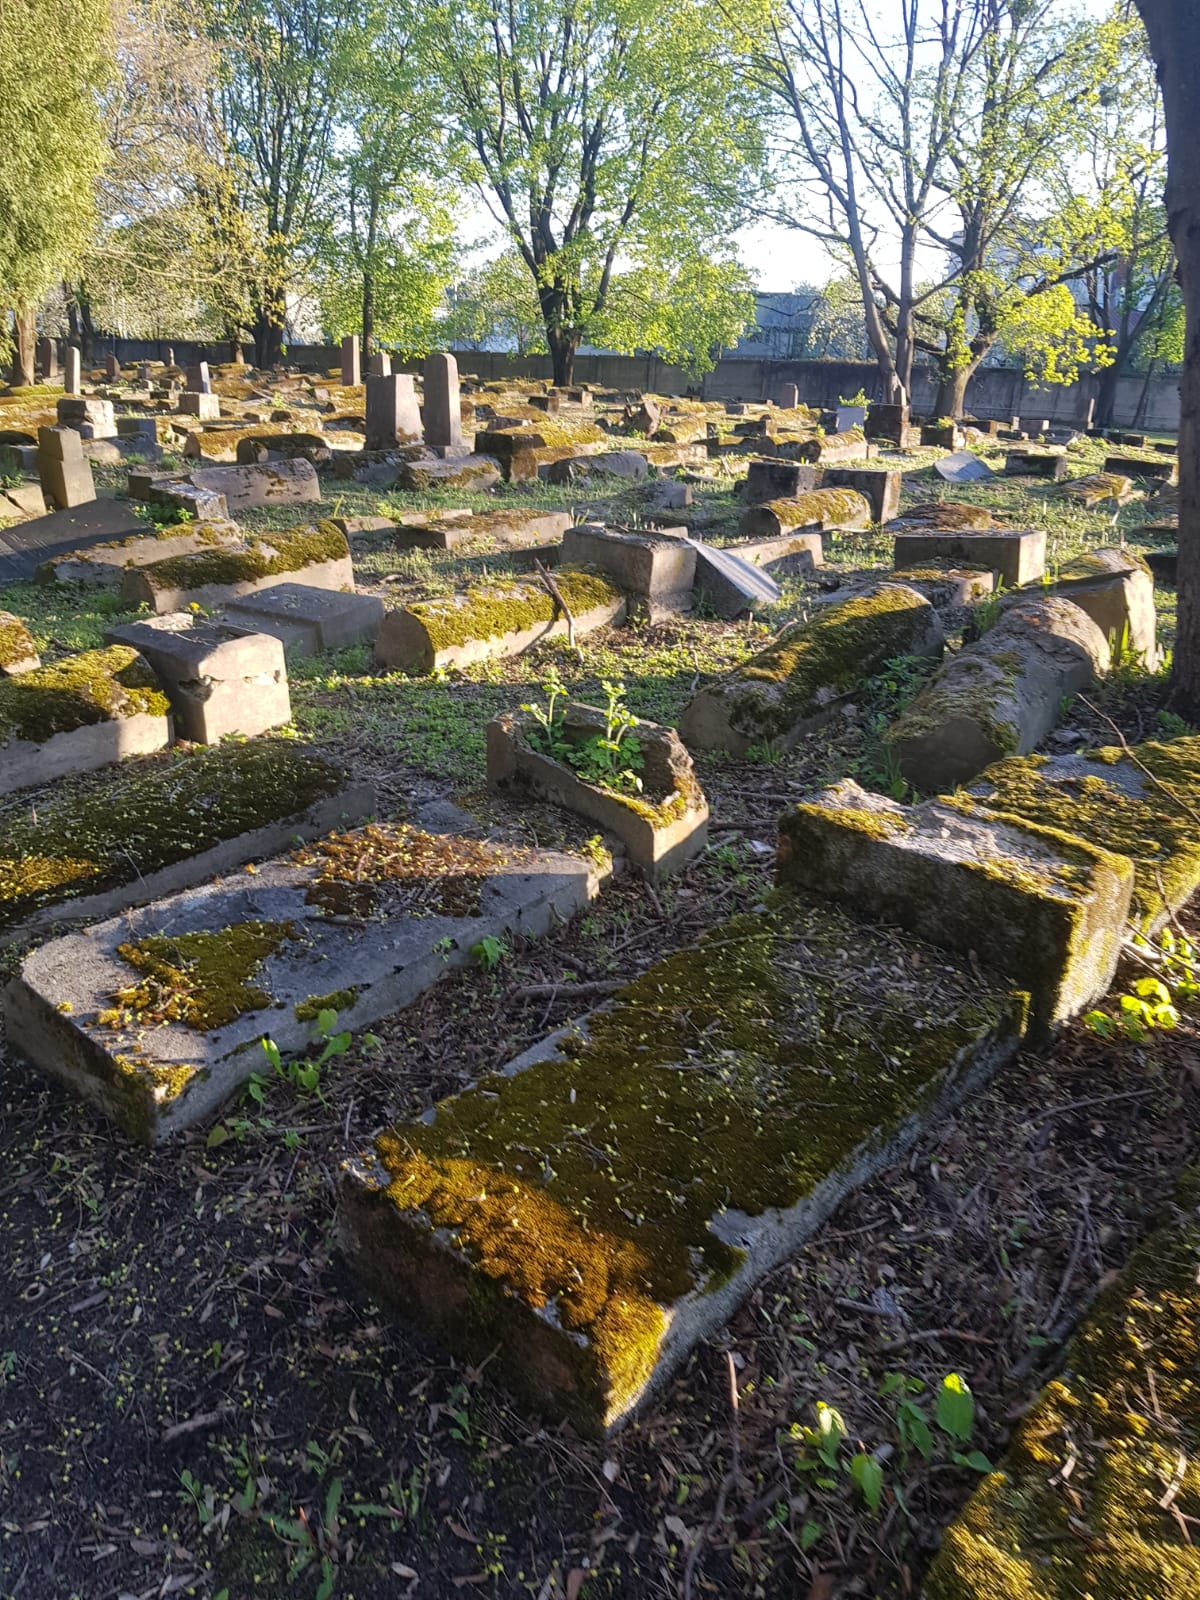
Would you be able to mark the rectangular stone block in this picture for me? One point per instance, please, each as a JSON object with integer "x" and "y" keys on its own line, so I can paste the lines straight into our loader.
{"x": 351, "y": 362}
{"x": 90, "y": 417}
{"x": 889, "y": 422}
{"x": 308, "y": 621}
{"x": 518, "y": 450}
{"x": 730, "y": 585}
{"x": 72, "y": 371}
{"x": 197, "y": 403}
{"x": 219, "y": 679}
{"x": 104, "y": 564}
{"x": 83, "y": 712}
{"x": 197, "y": 379}
{"x": 655, "y": 571}
{"x": 588, "y": 1216}
{"x": 442, "y": 413}
{"x": 849, "y": 417}
{"x": 244, "y": 488}
{"x": 880, "y": 486}
{"x": 156, "y": 1016}
{"x": 1037, "y": 464}
{"x": 1163, "y": 469}
{"x": 1044, "y": 908}
{"x": 777, "y": 480}
{"x": 1015, "y": 558}
{"x": 393, "y": 416}
{"x": 64, "y": 471}
{"x": 316, "y": 556}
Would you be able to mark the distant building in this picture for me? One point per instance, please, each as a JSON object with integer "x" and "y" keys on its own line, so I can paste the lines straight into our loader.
{"x": 783, "y": 326}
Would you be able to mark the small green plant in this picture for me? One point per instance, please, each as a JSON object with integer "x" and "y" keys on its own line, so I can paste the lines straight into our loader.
{"x": 1152, "y": 1004}
{"x": 490, "y": 951}
{"x": 859, "y": 399}
{"x": 1172, "y": 726}
{"x": 612, "y": 759}
{"x": 303, "y": 1073}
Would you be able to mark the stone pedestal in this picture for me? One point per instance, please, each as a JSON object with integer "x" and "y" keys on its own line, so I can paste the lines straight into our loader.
{"x": 393, "y": 416}
{"x": 195, "y": 403}
{"x": 351, "y": 363}
{"x": 443, "y": 407}
{"x": 65, "y": 473}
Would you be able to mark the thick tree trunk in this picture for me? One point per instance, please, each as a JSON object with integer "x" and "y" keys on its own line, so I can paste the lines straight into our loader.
{"x": 24, "y": 365}
{"x": 368, "y": 314}
{"x": 562, "y": 355}
{"x": 1174, "y": 29}
{"x": 1106, "y": 397}
{"x": 952, "y": 392}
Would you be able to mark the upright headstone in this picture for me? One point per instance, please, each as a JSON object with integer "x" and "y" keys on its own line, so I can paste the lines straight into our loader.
{"x": 64, "y": 470}
{"x": 380, "y": 365}
{"x": 170, "y": 361}
{"x": 1088, "y": 420}
{"x": 393, "y": 416}
{"x": 144, "y": 374}
{"x": 351, "y": 365}
{"x": 198, "y": 380}
{"x": 787, "y": 396}
{"x": 72, "y": 378}
{"x": 112, "y": 367}
{"x": 443, "y": 407}
{"x": 48, "y": 359}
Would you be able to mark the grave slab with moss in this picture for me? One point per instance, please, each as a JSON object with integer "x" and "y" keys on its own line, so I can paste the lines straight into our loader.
{"x": 656, "y": 571}
{"x": 1114, "y": 586}
{"x": 947, "y": 516}
{"x": 1042, "y": 907}
{"x": 157, "y": 1016}
{"x": 103, "y": 565}
{"x": 18, "y": 652}
{"x": 1015, "y": 557}
{"x": 162, "y": 823}
{"x": 519, "y": 526}
{"x": 662, "y": 825}
{"x": 83, "y": 712}
{"x": 816, "y": 508}
{"x": 494, "y": 620}
{"x": 316, "y": 555}
{"x": 1142, "y": 804}
{"x": 1000, "y": 695}
{"x": 794, "y": 684}
{"x": 1099, "y": 1492}
{"x": 587, "y": 1216}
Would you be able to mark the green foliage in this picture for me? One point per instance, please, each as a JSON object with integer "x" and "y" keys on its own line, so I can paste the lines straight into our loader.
{"x": 612, "y": 758}
{"x": 490, "y": 951}
{"x": 1152, "y": 1004}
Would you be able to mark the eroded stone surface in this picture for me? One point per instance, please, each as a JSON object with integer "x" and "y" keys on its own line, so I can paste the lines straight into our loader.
{"x": 1015, "y": 557}
{"x": 307, "y": 620}
{"x": 220, "y": 680}
{"x": 590, "y": 1214}
{"x": 317, "y": 556}
{"x": 656, "y": 571}
{"x": 156, "y": 1016}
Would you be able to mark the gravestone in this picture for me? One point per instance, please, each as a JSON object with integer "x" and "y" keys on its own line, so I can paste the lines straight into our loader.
{"x": 443, "y": 408}
{"x": 655, "y": 570}
{"x": 112, "y": 367}
{"x": 194, "y": 403}
{"x": 773, "y": 479}
{"x": 880, "y": 485}
{"x": 145, "y": 372}
{"x": 787, "y": 396}
{"x": 307, "y": 620}
{"x": 393, "y": 416}
{"x": 48, "y": 360}
{"x": 198, "y": 380}
{"x": 170, "y": 361}
{"x": 849, "y": 417}
{"x": 64, "y": 471}
{"x": 1038, "y": 464}
{"x": 1016, "y": 557}
{"x": 91, "y": 418}
{"x": 351, "y": 362}
{"x": 380, "y": 365}
{"x": 72, "y": 379}
{"x": 142, "y": 434}
{"x": 887, "y": 422}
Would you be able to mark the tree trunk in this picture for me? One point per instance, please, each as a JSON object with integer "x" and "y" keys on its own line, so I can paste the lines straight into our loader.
{"x": 368, "y": 314}
{"x": 24, "y": 346}
{"x": 1144, "y": 397}
{"x": 1106, "y": 398}
{"x": 1174, "y": 30}
{"x": 562, "y": 355}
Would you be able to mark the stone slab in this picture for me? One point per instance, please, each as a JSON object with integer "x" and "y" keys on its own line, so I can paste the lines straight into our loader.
{"x": 207, "y": 407}
{"x": 1037, "y": 464}
{"x": 730, "y": 584}
{"x": 1142, "y": 467}
{"x": 83, "y": 712}
{"x": 1015, "y": 557}
{"x": 656, "y": 571}
{"x": 817, "y": 508}
{"x": 793, "y": 685}
{"x": 474, "y": 474}
{"x": 880, "y": 486}
{"x": 160, "y": 1066}
{"x": 774, "y": 479}
{"x": 247, "y": 487}
{"x": 502, "y": 526}
{"x": 662, "y": 826}
{"x": 586, "y": 1217}
{"x": 310, "y": 621}
{"x": 495, "y": 620}
{"x": 220, "y": 680}
{"x": 791, "y": 553}
{"x": 317, "y": 557}
{"x": 163, "y": 823}
{"x": 103, "y": 565}
{"x": 1046, "y": 910}
{"x": 24, "y": 548}
{"x": 963, "y": 466}
{"x": 87, "y": 415}
{"x": 1116, "y": 590}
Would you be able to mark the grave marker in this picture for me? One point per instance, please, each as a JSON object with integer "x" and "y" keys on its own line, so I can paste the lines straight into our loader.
{"x": 393, "y": 416}
{"x": 351, "y": 362}
{"x": 72, "y": 374}
{"x": 443, "y": 405}
{"x": 63, "y": 470}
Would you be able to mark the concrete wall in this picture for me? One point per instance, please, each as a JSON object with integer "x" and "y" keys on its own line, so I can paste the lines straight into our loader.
{"x": 993, "y": 392}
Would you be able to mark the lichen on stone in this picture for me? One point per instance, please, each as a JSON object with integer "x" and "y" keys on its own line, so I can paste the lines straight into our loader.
{"x": 493, "y": 610}
{"x": 201, "y": 979}
{"x": 267, "y": 555}
{"x": 393, "y": 869}
{"x": 78, "y": 692}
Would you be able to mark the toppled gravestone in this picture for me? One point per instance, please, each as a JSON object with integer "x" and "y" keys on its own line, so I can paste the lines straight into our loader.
{"x": 792, "y": 686}
{"x": 946, "y": 516}
{"x": 1015, "y": 558}
{"x": 308, "y": 621}
{"x": 1114, "y": 587}
{"x": 587, "y": 1216}
{"x": 656, "y": 571}
{"x": 156, "y": 1016}
{"x": 474, "y": 473}
{"x": 152, "y": 827}
{"x": 1037, "y": 464}
{"x": 1139, "y": 467}
{"x": 880, "y": 487}
{"x": 219, "y": 679}
{"x": 512, "y": 524}
{"x": 1098, "y": 488}
{"x": 104, "y": 564}
{"x": 1075, "y": 1507}
{"x": 1044, "y": 908}
{"x": 999, "y": 696}
{"x": 240, "y": 488}
{"x": 318, "y": 556}
{"x": 631, "y": 465}
{"x": 18, "y": 653}
{"x": 773, "y": 479}
{"x": 1141, "y": 804}
{"x": 818, "y": 508}
{"x": 83, "y": 712}
{"x": 494, "y": 620}
{"x": 662, "y": 824}
{"x": 730, "y": 584}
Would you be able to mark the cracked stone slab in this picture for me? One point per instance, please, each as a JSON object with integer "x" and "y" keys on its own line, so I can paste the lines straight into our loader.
{"x": 366, "y": 920}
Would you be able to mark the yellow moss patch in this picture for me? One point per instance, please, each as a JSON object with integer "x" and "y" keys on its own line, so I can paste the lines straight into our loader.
{"x": 96, "y": 686}
{"x": 200, "y": 979}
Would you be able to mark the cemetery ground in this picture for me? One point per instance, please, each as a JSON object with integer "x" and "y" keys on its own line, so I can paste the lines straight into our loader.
{"x": 197, "y": 1398}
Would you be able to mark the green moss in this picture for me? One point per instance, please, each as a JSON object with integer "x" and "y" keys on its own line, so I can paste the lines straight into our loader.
{"x": 1077, "y": 1507}
{"x": 1104, "y": 563}
{"x": 587, "y": 1184}
{"x": 111, "y": 828}
{"x": 16, "y": 641}
{"x": 340, "y": 1000}
{"x": 820, "y": 508}
{"x": 268, "y": 555}
{"x": 1128, "y": 815}
{"x": 200, "y": 979}
{"x": 78, "y": 692}
{"x": 490, "y": 612}
{"x": 812, "y": 663}
{"x": 948, "y": 516}
{"x": 979, "y": 687}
